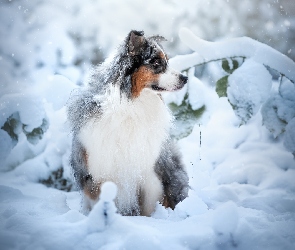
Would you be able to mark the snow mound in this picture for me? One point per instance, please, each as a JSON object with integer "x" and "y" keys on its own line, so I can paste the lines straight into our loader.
{"x": 108, "y": 191}
{"x": 225, "y": 223}
{"x": 104, "y": 212}
{"x": 248, "y": 87}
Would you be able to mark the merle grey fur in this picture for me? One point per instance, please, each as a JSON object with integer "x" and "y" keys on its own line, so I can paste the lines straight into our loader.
{"x": 83, "y": 105}
{"x": 170, "y": 170}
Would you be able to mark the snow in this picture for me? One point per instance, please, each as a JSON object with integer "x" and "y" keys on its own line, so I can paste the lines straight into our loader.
{"x": 234, "y": 47}
{"x": 108, "y": 191}
{"x": 241, "y": 177}
{"x": 49, "y": 87}
{"x": 290, "y": 136}
{"x": 25, "y": 105}
{"x": 279, "y": 109}
{"x": 104, "y": 212}
{"x": 196, "y": 90}
{"x": 248, "y": 87}
{"x": 225, "y": 222}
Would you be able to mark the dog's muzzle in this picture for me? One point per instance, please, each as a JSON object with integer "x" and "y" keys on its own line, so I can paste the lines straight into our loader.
{"x": 183, "y": 79}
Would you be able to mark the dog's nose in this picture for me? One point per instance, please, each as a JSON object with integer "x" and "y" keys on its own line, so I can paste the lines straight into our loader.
{"x": 183, "y": 79}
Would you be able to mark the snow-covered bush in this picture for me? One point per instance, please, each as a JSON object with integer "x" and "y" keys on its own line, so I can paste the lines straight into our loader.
{"x": 248, "y": 87}
{"x": 24, "y": 121}
{"x": 34, "y": 138}
{"x": 246, "y": 81}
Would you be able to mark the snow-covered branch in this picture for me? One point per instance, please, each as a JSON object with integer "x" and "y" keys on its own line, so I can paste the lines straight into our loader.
{"x": 247, "y": 83}
{"x": 246, "y": 47}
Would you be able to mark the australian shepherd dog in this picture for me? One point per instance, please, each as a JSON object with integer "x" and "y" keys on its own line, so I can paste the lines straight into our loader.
{"x": 121, "y": 129}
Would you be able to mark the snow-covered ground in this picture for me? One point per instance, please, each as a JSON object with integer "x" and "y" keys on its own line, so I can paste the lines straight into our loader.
{"x": 242, "y": 197}
{"x": 242, "y": 177}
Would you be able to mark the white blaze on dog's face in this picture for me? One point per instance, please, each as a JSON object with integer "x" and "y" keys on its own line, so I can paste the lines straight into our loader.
{"x": 155, "y": 74}
{"x": 171, "y": 80}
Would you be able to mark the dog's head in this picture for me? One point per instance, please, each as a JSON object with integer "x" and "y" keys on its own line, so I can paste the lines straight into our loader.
{"x": 149, "y": 65}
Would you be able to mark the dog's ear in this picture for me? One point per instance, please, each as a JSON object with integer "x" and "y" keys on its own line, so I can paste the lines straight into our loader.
{"x": 157, "y": 38}
{"x": 136, "y": 42}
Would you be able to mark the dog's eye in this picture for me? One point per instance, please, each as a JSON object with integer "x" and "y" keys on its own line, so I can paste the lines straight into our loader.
{"x": 156, "y": 62}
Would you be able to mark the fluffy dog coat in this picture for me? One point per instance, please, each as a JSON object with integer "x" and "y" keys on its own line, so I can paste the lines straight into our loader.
{"x": 121, "y": 129}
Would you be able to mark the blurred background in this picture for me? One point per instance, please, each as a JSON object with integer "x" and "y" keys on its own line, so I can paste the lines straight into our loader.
{"x": 42, "y": 38}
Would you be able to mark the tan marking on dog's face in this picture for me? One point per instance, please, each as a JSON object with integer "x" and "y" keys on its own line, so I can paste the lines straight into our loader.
{"x": 163, "y": 56}
{"x": 142, "y": 78}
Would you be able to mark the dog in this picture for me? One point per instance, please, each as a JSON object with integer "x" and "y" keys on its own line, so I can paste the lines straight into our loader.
{"x": 120, "y": 128}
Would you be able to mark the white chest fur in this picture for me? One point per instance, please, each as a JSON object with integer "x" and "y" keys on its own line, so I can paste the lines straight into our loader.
{"x": 124, "y": 143}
